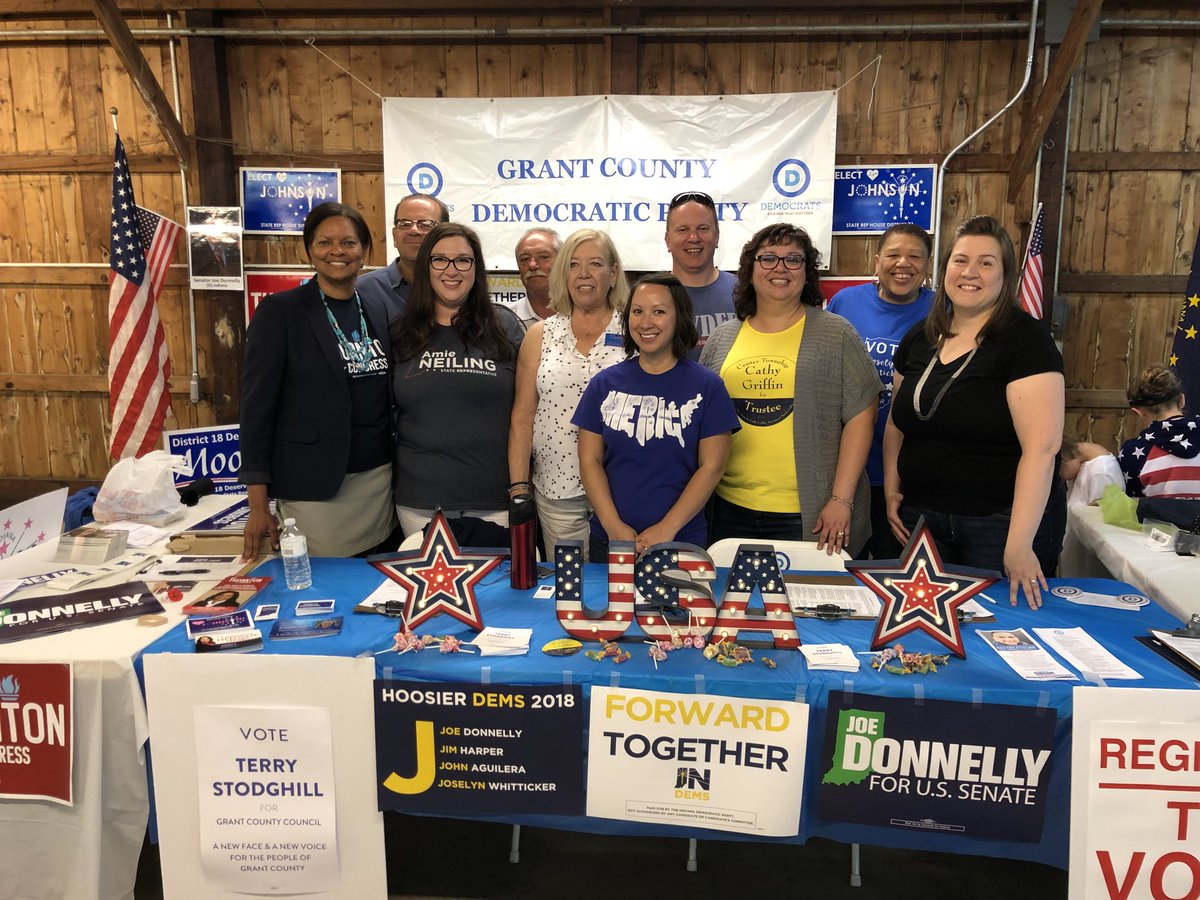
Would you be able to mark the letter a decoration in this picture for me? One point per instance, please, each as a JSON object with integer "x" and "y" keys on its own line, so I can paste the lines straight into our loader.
{"x": 919, "y": 593}
{"x": 439, "y": 577}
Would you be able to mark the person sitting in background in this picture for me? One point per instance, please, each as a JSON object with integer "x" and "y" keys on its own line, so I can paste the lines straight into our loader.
{"x": 654, "y": 431}
{"x": 1087, "y": 468}
{"x": 1161, "y": 461}
{"x": 883, "y": 313}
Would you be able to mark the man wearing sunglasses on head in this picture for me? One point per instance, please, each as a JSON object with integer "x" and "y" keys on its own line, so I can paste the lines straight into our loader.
{"x": 414, "y": 218}
{"x": 692, "y": 237}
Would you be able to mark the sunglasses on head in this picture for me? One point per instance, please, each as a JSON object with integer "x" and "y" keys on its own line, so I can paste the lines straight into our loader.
{"x": 692, "y": 197}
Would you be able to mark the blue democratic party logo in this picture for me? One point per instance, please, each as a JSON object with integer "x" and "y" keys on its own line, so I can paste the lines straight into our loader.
{"x": 791, "y": 177}
{"x": 425, "y": 178}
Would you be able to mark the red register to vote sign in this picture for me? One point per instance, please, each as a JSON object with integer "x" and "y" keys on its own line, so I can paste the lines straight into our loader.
{"x": 36, "y": 734}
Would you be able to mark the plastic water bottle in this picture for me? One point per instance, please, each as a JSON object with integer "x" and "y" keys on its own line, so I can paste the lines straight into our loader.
{"x": 293, "y": 547}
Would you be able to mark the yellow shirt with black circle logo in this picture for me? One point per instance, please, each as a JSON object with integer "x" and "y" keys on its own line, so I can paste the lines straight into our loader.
{"x": 760, "y": 375}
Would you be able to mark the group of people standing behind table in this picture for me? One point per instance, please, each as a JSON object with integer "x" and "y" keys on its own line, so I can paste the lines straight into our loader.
{"x": 375, "y": 400}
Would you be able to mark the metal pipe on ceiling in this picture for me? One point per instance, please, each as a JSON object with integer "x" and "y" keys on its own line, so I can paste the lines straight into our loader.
{"x": 597, "y": 31}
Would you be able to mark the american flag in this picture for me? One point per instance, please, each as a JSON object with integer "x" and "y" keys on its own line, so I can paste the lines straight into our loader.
{"x": 138, "y": 368}
{"x": 1031, "y": 276}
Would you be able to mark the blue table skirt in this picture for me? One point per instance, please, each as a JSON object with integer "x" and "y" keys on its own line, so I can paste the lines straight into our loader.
{"x": 983, "y": 678}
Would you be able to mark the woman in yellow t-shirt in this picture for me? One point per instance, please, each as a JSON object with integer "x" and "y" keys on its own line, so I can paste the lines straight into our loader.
{"x": 806, "y": 392}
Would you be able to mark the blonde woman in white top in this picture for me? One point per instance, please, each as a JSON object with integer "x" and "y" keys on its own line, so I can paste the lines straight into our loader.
{"x": 558, "y": 358}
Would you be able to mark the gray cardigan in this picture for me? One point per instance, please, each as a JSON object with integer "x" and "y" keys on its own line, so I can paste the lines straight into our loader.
{"x": 835, "y": 381}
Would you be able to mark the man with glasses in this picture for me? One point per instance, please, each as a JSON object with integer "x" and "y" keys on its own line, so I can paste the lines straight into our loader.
{"x": 415, "y": 216}
{"x": 692, "y": 237}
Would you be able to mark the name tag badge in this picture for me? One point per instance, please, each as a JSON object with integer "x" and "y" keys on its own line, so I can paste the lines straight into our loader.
{"x": 613, "y": 340}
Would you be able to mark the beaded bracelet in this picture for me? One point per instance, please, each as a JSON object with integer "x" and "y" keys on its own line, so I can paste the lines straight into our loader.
{"x": 843, "y": 501}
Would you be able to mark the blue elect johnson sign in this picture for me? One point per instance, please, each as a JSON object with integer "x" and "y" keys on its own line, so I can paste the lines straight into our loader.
{"x": 871, "y": 199}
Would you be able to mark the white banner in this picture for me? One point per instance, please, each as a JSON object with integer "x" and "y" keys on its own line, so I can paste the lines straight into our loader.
{"x": 697, "y": 760}
{"x": 1135, "y": 794}
{"x": 614, "y": 163}
{"x": 268, "y": 816}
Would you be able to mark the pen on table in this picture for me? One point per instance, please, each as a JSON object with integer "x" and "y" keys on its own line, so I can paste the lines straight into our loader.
{"x": 147, "y": 566}
{"x": 185, "y": 572}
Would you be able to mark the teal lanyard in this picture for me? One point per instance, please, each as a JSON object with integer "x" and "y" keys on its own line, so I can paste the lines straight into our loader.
{"x": 357, "y": 351}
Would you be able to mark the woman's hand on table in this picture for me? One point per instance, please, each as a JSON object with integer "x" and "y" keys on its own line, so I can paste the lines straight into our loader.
{"x": 1024, "y": 574}
{"x": 260, "y": 524}
{"x": 833, "y": 527}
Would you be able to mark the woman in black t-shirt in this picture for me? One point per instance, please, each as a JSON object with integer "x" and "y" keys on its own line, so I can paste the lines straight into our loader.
{"x": 977, "y": 418}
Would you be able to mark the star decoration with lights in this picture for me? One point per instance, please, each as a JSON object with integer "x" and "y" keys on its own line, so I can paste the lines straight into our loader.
{"x": 439, "y": 577}
{"x": 919, "y": 592}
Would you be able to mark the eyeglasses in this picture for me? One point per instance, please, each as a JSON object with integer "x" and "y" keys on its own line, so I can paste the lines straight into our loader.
{"x": 423, "y": 225}
{"x": 692, "y": 197}
{"x": 770, "y": 260}
{"x": 441, "y": 263}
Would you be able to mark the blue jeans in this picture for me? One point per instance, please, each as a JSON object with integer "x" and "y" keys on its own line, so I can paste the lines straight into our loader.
{"x": 732, "y": 521}
{"x": 978, "y": 541}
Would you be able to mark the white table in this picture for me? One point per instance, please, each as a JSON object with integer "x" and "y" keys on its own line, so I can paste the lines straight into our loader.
{"x": 1096, "y": 550}
{"x": 91, "y": 849}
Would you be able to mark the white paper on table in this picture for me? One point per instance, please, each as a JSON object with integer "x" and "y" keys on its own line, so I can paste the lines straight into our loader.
{"x": 195, "y": 568}
{"x": 139, "y": 535}
{"x": 837, "y": 657}
{"x": 7, "y": 587}
{"x": 388, "y": 591}
{"x": 1085, "y": 653}
{"x": 32, "y": 522}
{"x": 857, "y": 600}
{"x": 1025, "y": 656}
{"x": 503, "y": 641}
{"x": 1188, "y": 647}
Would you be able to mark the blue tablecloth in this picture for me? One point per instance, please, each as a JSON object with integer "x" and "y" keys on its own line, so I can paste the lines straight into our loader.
{"x": 982, "y": 678}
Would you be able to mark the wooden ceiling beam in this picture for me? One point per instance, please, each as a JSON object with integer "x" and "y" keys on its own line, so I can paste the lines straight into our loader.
{"x": 1063, "y": 64}
{"x": 125, "y": 44}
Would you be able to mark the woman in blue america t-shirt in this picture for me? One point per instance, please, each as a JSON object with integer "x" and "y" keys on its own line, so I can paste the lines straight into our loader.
{"x": 655, "y": 430}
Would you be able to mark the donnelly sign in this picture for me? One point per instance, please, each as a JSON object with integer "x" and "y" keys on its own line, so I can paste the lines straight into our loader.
{"x": 65, "y": 612}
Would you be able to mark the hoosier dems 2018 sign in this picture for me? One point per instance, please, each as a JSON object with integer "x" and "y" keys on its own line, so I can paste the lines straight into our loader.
{"x": 492, "y": 749}
{"x": 957, "y": 768}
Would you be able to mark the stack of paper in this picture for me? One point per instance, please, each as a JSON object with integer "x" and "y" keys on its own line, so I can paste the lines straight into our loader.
{"x": 1085, "y": 653}
{"x": 503, "y": 641}
{"x": 834, "y": 657}
{"x": 91, "y": 545}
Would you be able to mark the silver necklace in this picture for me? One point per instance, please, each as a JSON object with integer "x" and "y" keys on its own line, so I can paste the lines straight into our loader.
{"x": 937, "y": 401}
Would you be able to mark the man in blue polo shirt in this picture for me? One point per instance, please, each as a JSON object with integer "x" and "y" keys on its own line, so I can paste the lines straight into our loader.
{"x": 882, "y": 313}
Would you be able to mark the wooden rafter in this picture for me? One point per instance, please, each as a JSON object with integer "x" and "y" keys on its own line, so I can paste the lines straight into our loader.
{"x": 125, "y": 44}
{"x": 1063, "y": 65}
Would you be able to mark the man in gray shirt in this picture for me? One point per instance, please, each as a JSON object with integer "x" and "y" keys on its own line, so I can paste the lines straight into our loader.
{"x": 415, "y": 216}
{"x": 692, "y": 237}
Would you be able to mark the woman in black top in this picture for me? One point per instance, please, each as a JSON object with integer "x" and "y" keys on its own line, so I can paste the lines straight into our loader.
{"x": 977, "y": 418}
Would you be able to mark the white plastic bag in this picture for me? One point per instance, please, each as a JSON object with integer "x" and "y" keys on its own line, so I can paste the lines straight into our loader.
{"x": 140, "y": 489}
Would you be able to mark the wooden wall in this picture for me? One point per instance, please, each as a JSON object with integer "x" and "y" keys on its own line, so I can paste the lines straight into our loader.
{"x": 1130, "y": 212}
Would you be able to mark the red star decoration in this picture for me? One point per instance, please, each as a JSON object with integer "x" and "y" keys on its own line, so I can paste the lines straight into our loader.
{"x": 919, "y": 593}
{"x": 4, "y": 549}
{"x": 7, "y": 524}
{"x": 439, "y": 577}
{"x": 29, "y": 523}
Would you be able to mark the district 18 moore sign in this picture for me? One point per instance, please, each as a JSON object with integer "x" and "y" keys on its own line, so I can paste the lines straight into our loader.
{"x": 504, "y": 166}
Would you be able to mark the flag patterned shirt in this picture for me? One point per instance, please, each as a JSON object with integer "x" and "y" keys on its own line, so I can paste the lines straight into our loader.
{"x": 1163, "y": 460}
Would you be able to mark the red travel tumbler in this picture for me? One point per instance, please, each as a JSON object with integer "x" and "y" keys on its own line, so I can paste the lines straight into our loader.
{"x": 522, "y": 527}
